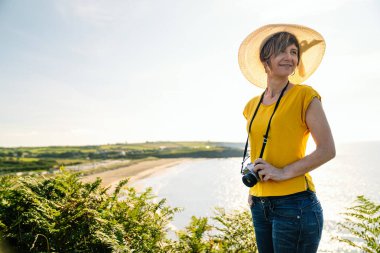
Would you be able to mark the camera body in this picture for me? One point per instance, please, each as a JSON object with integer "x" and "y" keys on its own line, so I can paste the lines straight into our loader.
{"x": 250, "y": 178}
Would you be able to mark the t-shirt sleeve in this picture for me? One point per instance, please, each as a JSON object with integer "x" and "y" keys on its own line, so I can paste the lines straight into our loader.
{"x": 248, "y": 107}
{"x": 246, "y": 110}
{"x": 309, "y": 95}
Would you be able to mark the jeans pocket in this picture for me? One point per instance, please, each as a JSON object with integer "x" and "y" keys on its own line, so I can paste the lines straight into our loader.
{"x": 313, "y": 217}
{"x": 312, "y": 205}
{"x": 288, "y": 213}
{"x": 256, "y": 209}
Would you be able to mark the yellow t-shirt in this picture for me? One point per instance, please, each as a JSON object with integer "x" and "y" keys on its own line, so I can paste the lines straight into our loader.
{"x": 287, "y": 138}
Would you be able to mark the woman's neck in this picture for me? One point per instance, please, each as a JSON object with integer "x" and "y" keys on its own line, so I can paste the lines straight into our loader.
{"x": 275, "y": 86}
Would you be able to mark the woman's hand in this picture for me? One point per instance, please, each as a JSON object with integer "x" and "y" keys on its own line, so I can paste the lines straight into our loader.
{"x": 267, "y": 171}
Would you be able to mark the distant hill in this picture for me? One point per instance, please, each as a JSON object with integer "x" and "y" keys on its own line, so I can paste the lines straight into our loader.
{"x": 44, "y": 158}
{"x": 237, "y": 145}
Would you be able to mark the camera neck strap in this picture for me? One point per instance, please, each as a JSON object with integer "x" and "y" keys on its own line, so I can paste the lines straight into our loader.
{"x": 268, "y": 127}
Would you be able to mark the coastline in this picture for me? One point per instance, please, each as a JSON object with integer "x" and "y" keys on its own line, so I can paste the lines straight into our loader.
{"x": 134, "y": 172}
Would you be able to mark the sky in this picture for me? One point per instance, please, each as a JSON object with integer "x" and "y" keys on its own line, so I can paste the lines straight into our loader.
{"x": 86, "y": 72}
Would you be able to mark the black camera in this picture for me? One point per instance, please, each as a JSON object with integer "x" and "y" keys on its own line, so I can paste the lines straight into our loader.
{"x": 250, "y": 178}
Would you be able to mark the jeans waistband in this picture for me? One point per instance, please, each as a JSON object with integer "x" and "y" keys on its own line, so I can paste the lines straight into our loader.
{"x": 303, "y": 194}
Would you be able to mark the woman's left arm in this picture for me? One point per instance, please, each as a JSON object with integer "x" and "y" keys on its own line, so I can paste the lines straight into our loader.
{"x": 325, "y": 148}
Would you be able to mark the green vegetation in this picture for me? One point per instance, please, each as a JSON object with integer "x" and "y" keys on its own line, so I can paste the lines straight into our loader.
{"x": 9, "y": 165}
{"x": 23, "y": 159}
{"x": 62, "y": 214}
{"x": 362, "y": 221}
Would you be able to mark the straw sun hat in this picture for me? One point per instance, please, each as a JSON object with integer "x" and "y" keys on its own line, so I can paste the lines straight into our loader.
{"x": 312, "y": 48}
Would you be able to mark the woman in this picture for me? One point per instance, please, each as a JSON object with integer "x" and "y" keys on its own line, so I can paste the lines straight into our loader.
{"x": 286, "y": 213}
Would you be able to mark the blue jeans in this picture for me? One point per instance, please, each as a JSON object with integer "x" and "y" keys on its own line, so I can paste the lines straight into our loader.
{"x": 288, "y": 224}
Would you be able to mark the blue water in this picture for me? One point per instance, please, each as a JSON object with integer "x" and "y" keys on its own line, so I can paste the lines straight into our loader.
{"x": 200, "y": 185}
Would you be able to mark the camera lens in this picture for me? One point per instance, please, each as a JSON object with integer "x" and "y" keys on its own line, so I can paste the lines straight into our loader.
{"x": 249, "y": 179}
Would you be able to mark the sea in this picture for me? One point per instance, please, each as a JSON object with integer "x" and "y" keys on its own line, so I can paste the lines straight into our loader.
{"x": 200, "y": 185}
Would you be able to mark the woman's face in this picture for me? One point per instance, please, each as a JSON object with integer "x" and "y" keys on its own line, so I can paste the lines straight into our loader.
{"x": 285, "y": 63}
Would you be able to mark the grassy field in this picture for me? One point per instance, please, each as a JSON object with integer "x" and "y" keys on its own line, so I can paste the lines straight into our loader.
{"x": 26, "y": 159}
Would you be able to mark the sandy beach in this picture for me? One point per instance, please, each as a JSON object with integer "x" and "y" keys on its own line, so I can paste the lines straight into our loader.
{"x": 135, "y": 172}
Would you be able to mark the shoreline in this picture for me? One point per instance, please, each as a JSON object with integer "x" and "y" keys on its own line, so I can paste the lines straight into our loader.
{"x": 134, "y": 172}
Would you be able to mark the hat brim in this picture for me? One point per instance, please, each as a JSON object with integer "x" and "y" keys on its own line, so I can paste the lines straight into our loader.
{"x": 312, "y": 49}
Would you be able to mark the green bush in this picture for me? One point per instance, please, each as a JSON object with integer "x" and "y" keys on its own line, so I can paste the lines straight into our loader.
{"x": 362, "y": 221}
{"x": 62, "y": 214}
{"x": 232, "y": 232}
{"x": 194, "y": 238}
{"x": 235, "y": 231}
